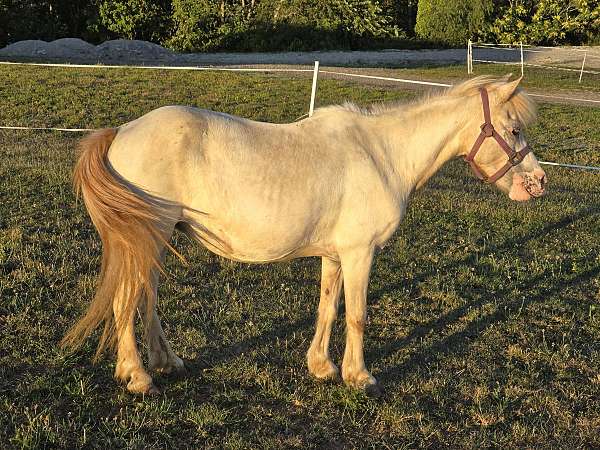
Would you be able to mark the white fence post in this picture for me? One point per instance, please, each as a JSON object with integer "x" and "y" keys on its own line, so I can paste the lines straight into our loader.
{"x": 314, "y": 89}
{"x": 582, "y": 66}
{"x": 469, "y": 57}
{"x": 522, "y": 65}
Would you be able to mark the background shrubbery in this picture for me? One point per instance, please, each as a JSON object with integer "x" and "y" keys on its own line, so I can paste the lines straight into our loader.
{"x": 254, "y": 25}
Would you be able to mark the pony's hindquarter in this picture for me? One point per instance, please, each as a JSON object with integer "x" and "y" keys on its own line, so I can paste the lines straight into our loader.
{"x": 131, "y": 227}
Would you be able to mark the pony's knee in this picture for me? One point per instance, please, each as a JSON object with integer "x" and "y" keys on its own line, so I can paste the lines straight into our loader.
{"x": 356, "y": 324}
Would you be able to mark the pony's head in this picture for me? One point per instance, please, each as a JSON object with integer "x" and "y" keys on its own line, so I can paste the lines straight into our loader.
{"x": 494, "y": 141}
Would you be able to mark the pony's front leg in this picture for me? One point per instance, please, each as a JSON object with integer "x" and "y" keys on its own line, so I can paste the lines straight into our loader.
{"x": 319, "y": 363}
{"x": 356, "y": 267}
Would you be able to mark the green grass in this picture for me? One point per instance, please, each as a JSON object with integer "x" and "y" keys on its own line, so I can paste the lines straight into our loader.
{"x": 484, "y": 314}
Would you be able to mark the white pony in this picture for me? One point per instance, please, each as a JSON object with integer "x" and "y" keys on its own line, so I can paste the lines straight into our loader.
{"x": 335, "y": 185}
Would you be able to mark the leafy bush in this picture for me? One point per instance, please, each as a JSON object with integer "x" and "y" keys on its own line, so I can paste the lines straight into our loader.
{"x": 199, "y": 25}
{"x": 268, "y": 25}
{"x": 47, "y": 20}
{"x": 549, "y": 22}
{"x": 136, "y": 19}
{"x": 451, "y": 21}
{"x": 274, "y": 24}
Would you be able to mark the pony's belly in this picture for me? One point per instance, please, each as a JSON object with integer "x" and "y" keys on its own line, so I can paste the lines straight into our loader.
{"x": 257, "y": 242}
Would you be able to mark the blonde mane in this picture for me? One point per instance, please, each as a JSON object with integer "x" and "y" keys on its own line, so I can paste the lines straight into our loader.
{"x": 524, "y": 107}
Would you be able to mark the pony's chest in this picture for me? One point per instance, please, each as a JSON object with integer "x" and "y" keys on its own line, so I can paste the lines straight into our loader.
{"x": 387, "y": 211}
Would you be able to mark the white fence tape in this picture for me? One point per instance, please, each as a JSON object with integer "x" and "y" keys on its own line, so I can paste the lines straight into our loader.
{"x": 76, "y": 130}
{"x": 398, "y": 80}
{"x": 572, "y": 166}
{"x": 528, "y": 47}
{"x": 108, "y": 66}
{"x": 508, "y": 63}
{"x": 520, "y": 47}
{"x": 251, "y": 69}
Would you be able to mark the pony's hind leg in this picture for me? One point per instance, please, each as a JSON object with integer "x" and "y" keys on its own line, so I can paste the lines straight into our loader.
{"x": 130, "y": 369}
{"x": 161, "y": 357}
{"x": 319, "y": 362}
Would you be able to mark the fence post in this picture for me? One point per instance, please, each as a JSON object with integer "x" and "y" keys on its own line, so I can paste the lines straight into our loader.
{"x": 314, "y": 89}
{"x": 469, "y": 57}
{"x": 582, "y": 66}
{"x": 522, "y": 68}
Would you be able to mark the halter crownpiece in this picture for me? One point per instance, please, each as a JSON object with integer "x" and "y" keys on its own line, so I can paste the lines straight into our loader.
{"x": 487, "y": 130}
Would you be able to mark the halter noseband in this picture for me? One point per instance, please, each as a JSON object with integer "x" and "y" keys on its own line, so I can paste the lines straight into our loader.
{"x": 487, "y": 130}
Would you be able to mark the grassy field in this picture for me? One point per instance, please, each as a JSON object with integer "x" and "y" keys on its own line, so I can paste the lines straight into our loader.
{"x": 484, "y": 315}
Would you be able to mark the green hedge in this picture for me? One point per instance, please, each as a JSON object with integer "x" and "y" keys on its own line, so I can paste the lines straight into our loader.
{"x": 253, "y": 25}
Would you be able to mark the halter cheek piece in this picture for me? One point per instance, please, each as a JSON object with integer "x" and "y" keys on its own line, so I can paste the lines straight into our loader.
{"x": 487, "y": 130}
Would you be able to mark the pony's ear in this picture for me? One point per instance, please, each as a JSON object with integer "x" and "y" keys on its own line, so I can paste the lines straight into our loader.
{"x": 506, "y": 90}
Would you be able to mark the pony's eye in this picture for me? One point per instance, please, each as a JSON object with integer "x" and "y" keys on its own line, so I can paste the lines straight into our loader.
{"x": 516, "y": 131}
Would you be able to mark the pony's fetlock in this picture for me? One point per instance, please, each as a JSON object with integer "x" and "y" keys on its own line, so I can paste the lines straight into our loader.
{"x": 135, "y": 377}
{"x": 321, "y": 367}
{"x": 162, "y": 359}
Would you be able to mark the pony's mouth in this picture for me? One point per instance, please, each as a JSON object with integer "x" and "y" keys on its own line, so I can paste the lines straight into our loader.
{"x": 527, "y": 185}
{"x": 534, "y": 185}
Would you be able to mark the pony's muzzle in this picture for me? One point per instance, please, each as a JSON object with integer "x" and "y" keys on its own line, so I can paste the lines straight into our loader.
{"x": 527, "y": 185}
{"x": 535, "y": 183}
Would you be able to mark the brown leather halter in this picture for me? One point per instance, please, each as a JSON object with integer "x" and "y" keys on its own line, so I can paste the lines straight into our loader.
{"x": 487, "y": 130}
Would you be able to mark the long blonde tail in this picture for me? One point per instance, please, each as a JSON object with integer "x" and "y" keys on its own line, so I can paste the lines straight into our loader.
{"x": 132, "y": 240}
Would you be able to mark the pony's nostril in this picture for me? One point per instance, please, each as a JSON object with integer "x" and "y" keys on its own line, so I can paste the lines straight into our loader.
{"x": 540, "y": 175}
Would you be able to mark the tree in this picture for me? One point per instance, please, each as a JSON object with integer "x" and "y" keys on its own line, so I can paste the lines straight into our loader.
{"x": 137, "y": 19}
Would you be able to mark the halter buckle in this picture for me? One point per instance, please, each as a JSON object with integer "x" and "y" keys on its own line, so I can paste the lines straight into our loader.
{"x": 487, "y": 129}
{"x": 516, "y": 158}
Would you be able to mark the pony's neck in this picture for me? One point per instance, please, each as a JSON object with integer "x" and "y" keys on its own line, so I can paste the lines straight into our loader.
{"x": 423, "y": 137}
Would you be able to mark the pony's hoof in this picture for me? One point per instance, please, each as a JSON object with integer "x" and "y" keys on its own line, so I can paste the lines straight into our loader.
{"x": 142, "y": 384}
{"x": 166, "y": 363}
{"x": 373, "y": 390}
{"x": 143, "y": 388}
{"x": 178, "y": 366}
{"x": 174, "y": 367}
{"x": 365, "y": 382}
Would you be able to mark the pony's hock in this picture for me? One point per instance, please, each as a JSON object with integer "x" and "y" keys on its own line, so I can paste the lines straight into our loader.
{"x": 335, "y": 185}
